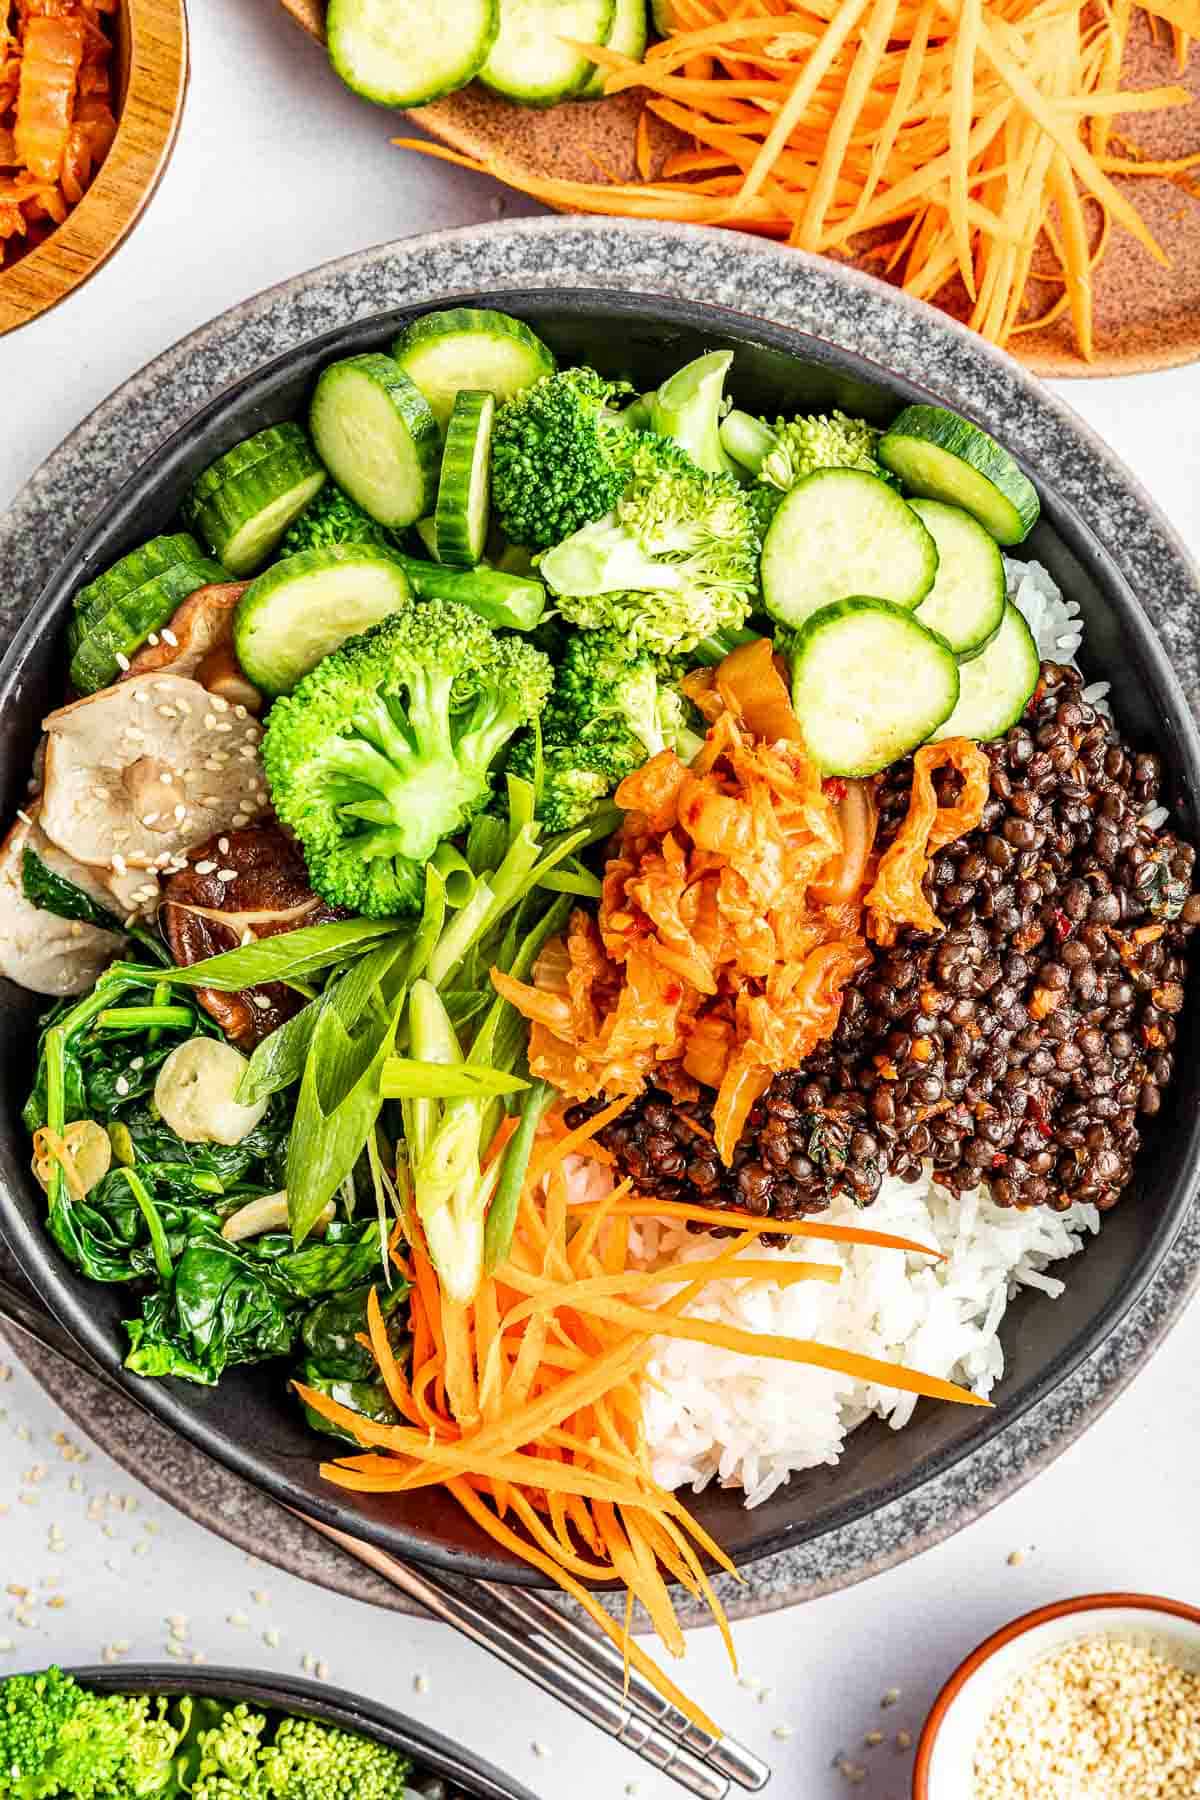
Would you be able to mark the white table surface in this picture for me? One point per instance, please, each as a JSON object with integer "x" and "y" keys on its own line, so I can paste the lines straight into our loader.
{"x": 279, "y": 168}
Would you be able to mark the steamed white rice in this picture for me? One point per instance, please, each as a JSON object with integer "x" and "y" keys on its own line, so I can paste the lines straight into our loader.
{"x": 753, "y": 1422}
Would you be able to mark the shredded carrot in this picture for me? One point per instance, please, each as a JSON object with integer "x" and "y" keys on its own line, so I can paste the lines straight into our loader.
{"x": 826, "y": 122}
{"x": 537, "y": 1429}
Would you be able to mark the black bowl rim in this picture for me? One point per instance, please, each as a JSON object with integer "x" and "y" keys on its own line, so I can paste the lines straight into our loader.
{"x": 991, "y": 374}
{"x": 308, "y": 1700}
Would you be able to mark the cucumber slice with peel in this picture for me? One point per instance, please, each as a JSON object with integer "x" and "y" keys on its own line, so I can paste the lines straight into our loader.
{"x": 244, "y": 502}
{"x": 470, "y": 347}
{"x": 630, "y": 30}
{"x": 966, "y": 602}
{"x": 996, "y": 685}
{"x": 531, "y": 62}
{"x": 131, "y": 572}
{"x": 869, "y": 683}
{"x": 940, "y": 456}
{"x": 465, "y": 486}
{"x": 401, "y": 54}
{"x": 841, "y": 533}
{"x": 109, "y": 635}
{"x": 375, "y": 433}
{"x": 300, "y": 609}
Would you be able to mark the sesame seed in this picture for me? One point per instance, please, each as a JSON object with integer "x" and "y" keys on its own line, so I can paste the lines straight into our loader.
{"x": 122, "y": 1085}
{"x": 239, "y": 712}
{"x": 121, "y": 1646}
{"x": 151, "y": 818}
{"x": 226, "y": 874}
{"x": 247, "y": 937}
{"x": 122, "y": 661}
{"x": 261, "y": 1001}
{"x": 172, "y": 1648}
{"x": 153, "y": 638}
{"x": 198, "y": 1656}
{"x": 783, "y": 1733}
{"x": 872, "y": 1738}
{"x": 166, "y": 777}
{"x": 238, "y": 1619}
{"x": 141, "y": 1548}
{"x": 271, "y": 1638}
{"x": 219, "y": 704}
{"x": 904, "y": 1740}
{"x": 539, "y": 1749}
{"x": 168, "y": 637}
{"x": 210, "y": 723}
{"x": 420, "y": 1684}
{"x": 240, "y": 819}
{"x": 166, "y": 712}
{"x": 210, "y": 800}
{"x": 221, "y": 724}
{"x": 139, "y": 695}
{"x": 890, "y": 1697}
{"x": 135, "y": 733}
{"x": 223, "y": 845}
{"x": 24, "y": 816}
{"x": 1015, "y": 1558}
{"x": 322, "y": 1670}
{"x": 308, "y": 1662}
{"x": 56, "y": 1602}
{"x": 180, "y": 813}
{"x": 204, "y": 868}
{"x": 6, "y": 1646}
{"x": 119, "y": 863}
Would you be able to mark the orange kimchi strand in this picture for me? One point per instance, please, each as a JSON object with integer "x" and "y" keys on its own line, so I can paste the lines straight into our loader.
{"x": 896, "y": 897}
{"x": 56, "y": 113}
{"x": 525, "y": 1404}
{"x": 734, "y": 908}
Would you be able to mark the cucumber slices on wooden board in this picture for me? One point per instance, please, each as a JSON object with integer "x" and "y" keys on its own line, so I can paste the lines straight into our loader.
{"x": 405, "y": 55}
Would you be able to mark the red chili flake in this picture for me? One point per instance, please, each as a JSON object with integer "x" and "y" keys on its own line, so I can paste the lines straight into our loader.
{"x": 999, "y": 1160}
{"x": 1062, "y": 925}
{"x": 835, "y": 789}
{"x": 672, "y": 993}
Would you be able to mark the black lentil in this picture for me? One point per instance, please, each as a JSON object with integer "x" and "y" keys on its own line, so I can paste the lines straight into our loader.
{"x": 1023, "y": 1045}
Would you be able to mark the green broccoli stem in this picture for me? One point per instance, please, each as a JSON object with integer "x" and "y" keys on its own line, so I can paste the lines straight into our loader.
{"x": 120, "y": 1019}
{"x": 747, "y": 439}
{"x": 712, "y": 650}
{"x": 687, "y": 408}
{"x": 515, "y": 602}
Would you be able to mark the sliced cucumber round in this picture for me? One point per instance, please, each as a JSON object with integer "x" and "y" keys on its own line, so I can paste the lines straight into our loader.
{"x": 119, "y": 611}
{"x": 966, "y": 602}
{"x": 376, "y": 435}
{"x": 470, "y": 347}
{"x": 244, "y": 502}
{"x": 869, "y": 683}
{"x": 995, "y": 686}
{"x": 401, "y": 55}
{"x": 460, "y": 520}
{"x": 942, "y": 457}
{"x": 630, "y": 30}
{"x": 531, "y": 62}
{"x": 300, "y": 609}
{"x": 842, "y": 532}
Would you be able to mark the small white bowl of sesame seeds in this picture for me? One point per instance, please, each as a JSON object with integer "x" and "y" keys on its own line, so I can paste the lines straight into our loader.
{"x": 1097, "y": 1696}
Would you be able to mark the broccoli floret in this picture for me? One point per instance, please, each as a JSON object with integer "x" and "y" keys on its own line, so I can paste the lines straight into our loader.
{"x": 575, "y": 778}
{"x": 331, "y": 517}
{"x": 229, "y": 1752}
{"x": 311, "y": 1761}
{"x": 58, "y": 1738}
{"x": 386, "y": 748}
{"x": 560, "y": 452}
{"x": 687, "y": 408}
{"x": 675, "y": 560}
{"x": 612, "y": 708}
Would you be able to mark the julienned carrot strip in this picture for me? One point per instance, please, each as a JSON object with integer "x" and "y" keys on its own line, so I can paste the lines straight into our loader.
{"x": 794, "y": 106}
{"x": 713, "y": 1215}
{"x": 780, "y": 1349}
{"x": 590, "y": 1604}
{"x": 1076, "y": 254}
{"x": 866, "y": 62}
{"x": 394, "y": 1379}
{"x": 962, "y": 107}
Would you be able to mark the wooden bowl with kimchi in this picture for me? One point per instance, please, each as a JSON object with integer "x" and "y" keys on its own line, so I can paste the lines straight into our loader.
{"x": 91, "y": 95}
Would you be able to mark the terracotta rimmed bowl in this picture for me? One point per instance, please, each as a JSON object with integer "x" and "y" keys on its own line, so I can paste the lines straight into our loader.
{"x": 151, "y": 68}
{"x": 465, "y": 1773}
{"x": 945, "y": 1753}
{"x": 634, "y": 299}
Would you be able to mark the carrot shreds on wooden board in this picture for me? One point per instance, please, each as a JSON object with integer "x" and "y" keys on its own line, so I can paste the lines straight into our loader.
{"x": 526, "y": 1406}
{"x": 963, "y": 131}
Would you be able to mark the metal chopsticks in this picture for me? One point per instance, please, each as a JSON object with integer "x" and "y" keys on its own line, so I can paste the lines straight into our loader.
{"x": 562, "y": 1658}
{"x": 519, "y": 1627}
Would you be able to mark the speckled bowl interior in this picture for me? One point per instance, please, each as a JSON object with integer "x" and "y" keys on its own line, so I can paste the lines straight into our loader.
{"x": 633, "y": 328}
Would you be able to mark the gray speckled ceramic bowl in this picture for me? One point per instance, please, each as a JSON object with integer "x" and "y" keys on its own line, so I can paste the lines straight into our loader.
{"x": 636, "y": 298}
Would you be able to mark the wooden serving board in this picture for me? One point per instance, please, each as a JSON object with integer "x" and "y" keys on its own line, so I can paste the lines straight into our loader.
{"x": 1147, "y": 317}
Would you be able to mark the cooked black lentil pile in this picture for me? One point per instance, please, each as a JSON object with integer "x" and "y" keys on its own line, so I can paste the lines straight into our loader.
{"x": 1020, "y": 1046}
